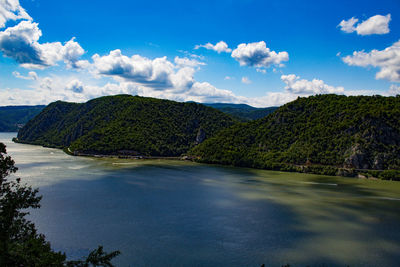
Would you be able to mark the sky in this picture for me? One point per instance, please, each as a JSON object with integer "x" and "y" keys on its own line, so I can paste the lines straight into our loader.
{"x": 261, "y": 53}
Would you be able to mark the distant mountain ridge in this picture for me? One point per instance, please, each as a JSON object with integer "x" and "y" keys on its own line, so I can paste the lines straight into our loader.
{"x": 329, "y": 134}
{"x": 242, "y": 112}
{"x": 12, "y": 118}
{"x": 124, "y": 124}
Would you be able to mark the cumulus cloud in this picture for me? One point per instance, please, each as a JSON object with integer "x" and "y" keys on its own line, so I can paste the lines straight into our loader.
{"x": 246, "y": 80}
{"x": 394, "y": 90}
{"x": 46, "y": 83}
{"x": 299, "y": 86}
{"x": 377, "y": 24}
{"x": 348, "y": 25}
{"x": 21, "y": 43}
{"x": 387, "y": 60}
{"x": 11, "y": 10}
{"x": 31, "y": 75}
{"x": 258, "y": 55}
{"x": 158, "y": 73}
{"x": 205, "y": 92}
{"x": 219, "y": 47}
{"x": 75, "y": 86}
{"x": 48, "y": 89}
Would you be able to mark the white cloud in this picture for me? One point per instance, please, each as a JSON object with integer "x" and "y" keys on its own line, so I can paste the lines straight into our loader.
{"x": 219, "y": 47}
{"x": 394, "y": 90}
{"x": 258, "y": 55}
{"x": 11, "y": 10}
{"x": 304, "y": 87}
{"x": 46, "y": 83}
{"x": 228, "y": 78}
{"x": 377, "y": 24}
{"x": 387, "y": 60}
{"x": 31, "y": 75}
{"x": 188, "y": 54}
{"x": 348, "y": 25}
{"x": 270, "y": 99}
{"x": 49, "y": 89}
{"x": 201, "y": 57}
{"x": 263, "y": 71}
{"x": 75, "y": 86}
{"x": 70, "y": 54}
{"x": 21, "y": 43}
{"x": 246, "y": 80}
{"x": 158, "y": 73}
{"x": 186, "y": 62}
{"x": 205, "y": 92}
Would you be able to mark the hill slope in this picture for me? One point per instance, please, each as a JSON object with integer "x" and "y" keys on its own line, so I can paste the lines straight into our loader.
{"x": 124, "y": 124}
{"x": 242, "y": 112}
{"x": 12, "y": 118}
{"x": 360, "y": 132}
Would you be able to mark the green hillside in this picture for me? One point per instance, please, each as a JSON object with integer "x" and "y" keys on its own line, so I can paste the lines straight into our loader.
{"x": 12, "y": 118}
{"x": 327, "y": 134}
{"x": 124, "y": 124}
{"x": 242, "y": 112}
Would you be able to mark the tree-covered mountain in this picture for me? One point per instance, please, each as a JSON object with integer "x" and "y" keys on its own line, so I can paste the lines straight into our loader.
{"x": 124, "y": 124}
{"x": 310, "y": 134}
{"x": 242, "y": 112}
{"x": 12, "y": 118}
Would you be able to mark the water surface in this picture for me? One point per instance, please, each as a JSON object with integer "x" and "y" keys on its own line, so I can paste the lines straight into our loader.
{"x": 175, "y": 213}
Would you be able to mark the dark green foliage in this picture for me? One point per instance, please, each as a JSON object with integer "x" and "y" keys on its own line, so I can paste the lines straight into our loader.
{"x": 12, "y": 118}
{"x": 242, "y": 112}
{"x": 124, "y": 124}
{"x": 20, "y": 243}
{"x": 96, "y": 258}
{"x": 384, "y": 175}
{"x": 319, "y": 134}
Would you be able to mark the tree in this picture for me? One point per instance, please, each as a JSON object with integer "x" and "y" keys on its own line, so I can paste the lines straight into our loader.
{"x": 20, "y": 243}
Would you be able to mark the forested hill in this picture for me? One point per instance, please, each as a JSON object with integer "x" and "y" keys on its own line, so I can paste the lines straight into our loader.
{"x": 242, "y": 112}
{"x": 344, "y": 133}
{"x": 12, "y": 118}
{"x": 124, "y": 124}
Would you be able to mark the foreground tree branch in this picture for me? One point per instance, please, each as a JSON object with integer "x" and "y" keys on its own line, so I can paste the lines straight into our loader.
{"x": 20, "y": 243}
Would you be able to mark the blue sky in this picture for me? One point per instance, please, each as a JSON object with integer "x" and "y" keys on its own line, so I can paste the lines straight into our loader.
{"x": 269, "y": 52}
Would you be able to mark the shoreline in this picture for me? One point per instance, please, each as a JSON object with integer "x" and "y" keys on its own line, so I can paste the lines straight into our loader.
{"x": 120, "y": 156}
{"x": 284, "y": 167}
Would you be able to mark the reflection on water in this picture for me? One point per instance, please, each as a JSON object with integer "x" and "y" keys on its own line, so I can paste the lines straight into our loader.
{"x": 174, "y": 213}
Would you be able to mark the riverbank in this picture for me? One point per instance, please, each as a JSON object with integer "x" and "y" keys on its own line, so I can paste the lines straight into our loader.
{"x": 309, "y": 168}
{"x": 393, "y": 175}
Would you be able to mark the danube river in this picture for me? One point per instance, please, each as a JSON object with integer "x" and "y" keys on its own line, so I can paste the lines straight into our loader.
{"x": 175, "y": 213}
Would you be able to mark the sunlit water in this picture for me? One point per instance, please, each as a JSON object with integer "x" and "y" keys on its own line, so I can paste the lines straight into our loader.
{"x": 174, "y": 213}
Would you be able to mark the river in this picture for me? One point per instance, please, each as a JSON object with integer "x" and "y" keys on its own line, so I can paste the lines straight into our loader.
{"x": 176, "y": 213}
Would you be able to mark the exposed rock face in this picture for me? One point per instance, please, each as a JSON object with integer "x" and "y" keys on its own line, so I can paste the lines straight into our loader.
{"x": 201, "y": 136}
{"x": 379, "y": 162}
{"x": 357, "y": 159}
